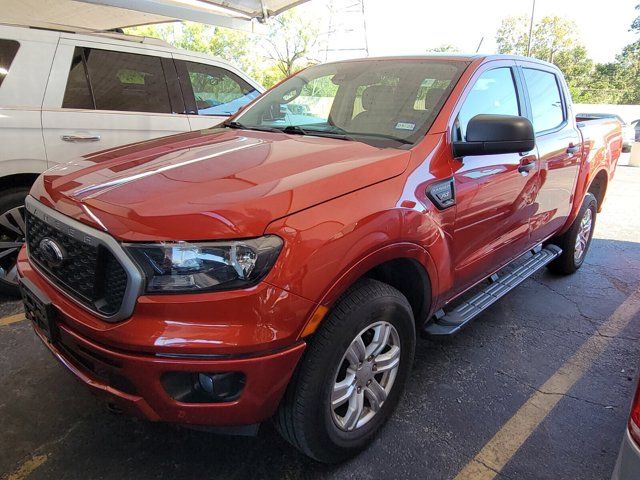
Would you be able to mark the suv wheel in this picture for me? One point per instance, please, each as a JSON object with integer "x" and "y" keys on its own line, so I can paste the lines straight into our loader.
{"x": 12, "y": 232}
{"x": 352, "y": 375}
{"x": 576, "y": 241}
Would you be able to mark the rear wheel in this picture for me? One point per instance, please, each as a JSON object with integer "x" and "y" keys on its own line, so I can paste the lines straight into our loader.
{"x": 352, "y": 375}
{"x": 12, "y": 231}
{"x": 575, "y": 242}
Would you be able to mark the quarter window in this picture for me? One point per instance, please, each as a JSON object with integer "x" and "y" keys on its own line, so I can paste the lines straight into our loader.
{"x": 493, "y": 93}
{"x": 546, "y": 102}
{"x": 218, "y": 91}
{"x": 78, "y": 93}
{"x": 107, "y": 80}
{"x": 8, "y": 50}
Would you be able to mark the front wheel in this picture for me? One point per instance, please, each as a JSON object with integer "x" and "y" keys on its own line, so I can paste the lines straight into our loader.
{"x": 352, "y": 375}
{"x": 575, "y": 242}
{"x": 12, "y": 231}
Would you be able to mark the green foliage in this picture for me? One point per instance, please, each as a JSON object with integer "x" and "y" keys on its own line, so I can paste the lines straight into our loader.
{"x": 289, "y": 42}
{"x": 512, "y": 35}
{"x": 553, "y": 40}
{"x": 444, "y": 48}
{"x": 268, "y": 59}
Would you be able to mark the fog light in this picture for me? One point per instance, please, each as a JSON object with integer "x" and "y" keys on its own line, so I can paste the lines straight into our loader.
{"x": 223, "y": 387}
{"x": 201, "y": 387}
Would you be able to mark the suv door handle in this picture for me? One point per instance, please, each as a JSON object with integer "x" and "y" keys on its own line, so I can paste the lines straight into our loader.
{"x": 573, "y": 148}
{"x": 80, "y": 138}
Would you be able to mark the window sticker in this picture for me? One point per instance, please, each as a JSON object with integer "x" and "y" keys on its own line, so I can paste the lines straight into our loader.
{"x": 405, "y": 126}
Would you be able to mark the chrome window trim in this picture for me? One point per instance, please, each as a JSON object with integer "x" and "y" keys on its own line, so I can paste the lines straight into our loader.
{"x": 91, "y": 236}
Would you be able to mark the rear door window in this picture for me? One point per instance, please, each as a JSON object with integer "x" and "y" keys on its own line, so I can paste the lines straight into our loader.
{"x": 545, "y": 98}
{"x": 218, "y": 91}
{"x": 493, "y": 93}
{"x": 119, "y": 81}
{"x": 8, "y": 50}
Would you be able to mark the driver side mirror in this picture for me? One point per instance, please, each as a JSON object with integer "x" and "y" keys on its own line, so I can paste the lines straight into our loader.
{"x": 494, "y": 134}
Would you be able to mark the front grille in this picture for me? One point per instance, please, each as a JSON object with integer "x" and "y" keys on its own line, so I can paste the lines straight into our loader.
{"x": 90, "y": 273}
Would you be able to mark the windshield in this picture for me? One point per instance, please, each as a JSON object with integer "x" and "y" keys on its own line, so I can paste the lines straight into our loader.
{"x": 381, "y": 102}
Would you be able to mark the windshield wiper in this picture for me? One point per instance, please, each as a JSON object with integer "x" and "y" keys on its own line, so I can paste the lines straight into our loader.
{"x": 384, "y": 135}
{"x": 232, "y": 124}
{"x": 352, "y": 135}
{"x": 238, "y": 125}
{"x": 297, "y": 130}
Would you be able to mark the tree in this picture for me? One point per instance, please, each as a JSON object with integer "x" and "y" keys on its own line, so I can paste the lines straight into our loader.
{"x": 635, "y": 25}
{"x": 445, "y": 47}
{"x": 553, "y": 40}
{"x": 551, "y": 35}
{"x": 290, "y": 41}
{"x": 231, "y": 45}
{"x": 512, "y": 35}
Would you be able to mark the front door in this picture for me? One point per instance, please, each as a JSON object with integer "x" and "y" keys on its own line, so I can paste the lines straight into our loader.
{"x": 494, "y": 193}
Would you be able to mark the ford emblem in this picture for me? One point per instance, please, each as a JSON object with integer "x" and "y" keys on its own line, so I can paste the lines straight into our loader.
{"x": 52, "y": 252}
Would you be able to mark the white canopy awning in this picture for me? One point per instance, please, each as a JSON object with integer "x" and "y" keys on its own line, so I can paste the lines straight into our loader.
{"x": 100, "y": 15}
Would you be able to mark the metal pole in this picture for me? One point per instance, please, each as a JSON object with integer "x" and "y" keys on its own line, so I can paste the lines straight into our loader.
{"x": 364, "y": 24}
{"x": 533, "y": 10}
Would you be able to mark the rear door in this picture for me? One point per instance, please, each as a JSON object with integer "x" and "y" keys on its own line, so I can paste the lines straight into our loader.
{"x": 101, "y": 96}
{"x": 212, "y": 90}
{"x": 494, "y": 193}
{"x": 559, "y": 148}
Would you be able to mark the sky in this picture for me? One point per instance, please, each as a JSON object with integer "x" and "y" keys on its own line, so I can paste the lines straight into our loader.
{"x": 413, "y": 26}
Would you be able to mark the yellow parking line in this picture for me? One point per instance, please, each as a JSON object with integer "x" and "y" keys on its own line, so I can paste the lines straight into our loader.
{"x": 28, "y": 467}
{"x": 18, "y": 317}
{"x": 503, "y": 446}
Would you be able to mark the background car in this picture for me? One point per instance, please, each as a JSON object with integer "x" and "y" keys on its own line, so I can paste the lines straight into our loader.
{"x": 636, "y": 128}
{"x": 65, "y": 95}
{"x": 628, "y": 464}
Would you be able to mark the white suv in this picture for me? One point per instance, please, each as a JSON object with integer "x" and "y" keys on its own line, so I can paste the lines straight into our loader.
{"x": 64, "y": 95}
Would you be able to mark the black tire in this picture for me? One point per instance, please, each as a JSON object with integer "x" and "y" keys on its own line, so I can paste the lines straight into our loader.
{"x": 305, "y": 417}
{"x": 567, "y": 263}
{"x": 9, "y": 199}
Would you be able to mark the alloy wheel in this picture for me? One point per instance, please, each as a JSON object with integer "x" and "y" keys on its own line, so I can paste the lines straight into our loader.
{"x": 12, "y": 234}
{"x": 365, "y": 376}
{"x": 584, "y": 234}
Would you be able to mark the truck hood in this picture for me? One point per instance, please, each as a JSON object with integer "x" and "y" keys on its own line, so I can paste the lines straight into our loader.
{"x": 211, "y": 184}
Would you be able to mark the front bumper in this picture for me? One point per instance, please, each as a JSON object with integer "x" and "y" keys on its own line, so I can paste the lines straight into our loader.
{"x": 125, "y": 362}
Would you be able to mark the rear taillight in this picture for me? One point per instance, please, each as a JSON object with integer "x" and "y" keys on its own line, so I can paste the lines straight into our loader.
{"x": 634, "y": 419}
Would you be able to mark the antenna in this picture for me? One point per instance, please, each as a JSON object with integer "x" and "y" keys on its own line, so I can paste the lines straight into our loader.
{"x": 533, "y": 11}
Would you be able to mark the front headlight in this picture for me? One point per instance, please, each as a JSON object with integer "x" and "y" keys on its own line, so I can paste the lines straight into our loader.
{"x": 203, "y": 266}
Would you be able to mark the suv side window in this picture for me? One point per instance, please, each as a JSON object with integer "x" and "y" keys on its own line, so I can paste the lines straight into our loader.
{"x": 545, "y": 98}
{"x": 108, "y": 80}
{"x": 493, "y": 93}
{"x": 218, "y": 91}
{"x": 8, "y": 50}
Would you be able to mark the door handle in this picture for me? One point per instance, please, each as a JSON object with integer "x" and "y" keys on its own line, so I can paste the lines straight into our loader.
{"x": 80, "y": 138}
{"x": 526, "y": 167}
{"x": 571, "y": 149}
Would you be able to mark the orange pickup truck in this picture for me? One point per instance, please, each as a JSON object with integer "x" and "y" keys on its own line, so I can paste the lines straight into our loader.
{"x": 281, "y": 265}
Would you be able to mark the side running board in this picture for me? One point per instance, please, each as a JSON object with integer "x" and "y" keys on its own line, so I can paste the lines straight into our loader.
{"x": 501, "y": 283}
